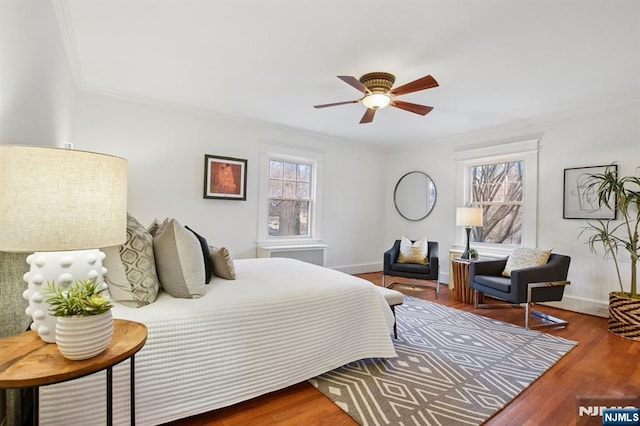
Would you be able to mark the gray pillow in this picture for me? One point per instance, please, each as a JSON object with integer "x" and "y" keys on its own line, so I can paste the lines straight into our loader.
{"x": 222, "y": 263}
{"x": 179, "y": 260}
{"x": 131, "y": 267}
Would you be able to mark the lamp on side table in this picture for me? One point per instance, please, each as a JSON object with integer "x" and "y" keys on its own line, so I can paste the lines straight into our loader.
{"x": 61, "y": 204}
{"x": 468, "y": 217}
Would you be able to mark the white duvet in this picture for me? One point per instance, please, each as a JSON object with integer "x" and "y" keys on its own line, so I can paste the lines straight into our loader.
{"x": 279, "y": 323}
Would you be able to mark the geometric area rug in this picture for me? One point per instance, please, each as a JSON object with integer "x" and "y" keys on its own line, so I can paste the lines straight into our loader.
{"x": 453, "y": 368}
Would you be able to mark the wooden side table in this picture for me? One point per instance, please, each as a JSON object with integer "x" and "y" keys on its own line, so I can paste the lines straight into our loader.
{"x": 463, "y": 293}
{"x": 28, "y": 362}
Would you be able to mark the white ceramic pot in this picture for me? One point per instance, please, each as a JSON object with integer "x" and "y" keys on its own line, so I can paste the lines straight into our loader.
{"x": 82, "y": 337}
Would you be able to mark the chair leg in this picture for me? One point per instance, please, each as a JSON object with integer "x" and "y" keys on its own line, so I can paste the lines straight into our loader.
{"x": 395, "y": 322}
{"x": 552, "y": 321}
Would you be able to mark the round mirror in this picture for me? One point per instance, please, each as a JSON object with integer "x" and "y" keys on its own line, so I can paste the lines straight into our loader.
{"x": 414, "y": 196}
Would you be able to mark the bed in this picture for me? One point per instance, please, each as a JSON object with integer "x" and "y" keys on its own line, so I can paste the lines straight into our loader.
{"x": 280, "y": 322}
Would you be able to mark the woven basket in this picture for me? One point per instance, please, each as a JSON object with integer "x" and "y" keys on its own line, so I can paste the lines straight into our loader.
{"x": 624, "y": 316}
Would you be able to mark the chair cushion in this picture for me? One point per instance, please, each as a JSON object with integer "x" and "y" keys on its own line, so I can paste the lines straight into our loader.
{"x": 393, "y": 297}
{"x": 525, "y": 258}
{"x": 416, "y": 252}
{"x": 491, "y": 281}
{"x": 412, "y": 268}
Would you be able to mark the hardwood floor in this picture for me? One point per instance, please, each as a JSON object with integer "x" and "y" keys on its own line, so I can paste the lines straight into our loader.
{"x": 600, "y": 365}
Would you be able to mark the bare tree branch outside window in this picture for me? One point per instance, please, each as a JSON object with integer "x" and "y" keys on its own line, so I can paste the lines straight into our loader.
{"x": 289, "y": 198}
{"x": 498, "y": 189}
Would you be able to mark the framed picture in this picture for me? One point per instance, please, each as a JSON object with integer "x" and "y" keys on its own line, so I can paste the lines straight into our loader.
{"x": 225, "y": 178}
{"x": 581, "y": 201}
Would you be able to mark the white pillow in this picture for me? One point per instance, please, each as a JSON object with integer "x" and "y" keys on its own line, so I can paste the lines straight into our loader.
{"x": 525, "y": 258}
{"x": 414, "y": 253}
{"x": 179, "y": 260}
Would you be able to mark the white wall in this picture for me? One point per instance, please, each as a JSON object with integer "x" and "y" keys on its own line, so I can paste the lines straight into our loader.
{"x": 586, "y": 139}
{"x": 165, "y": 146}
{"x": 37, "y": 90}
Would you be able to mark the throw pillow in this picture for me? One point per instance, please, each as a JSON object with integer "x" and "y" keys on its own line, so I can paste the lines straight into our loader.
{"x": 179, "y": 260}
{"x": 153, "y": 227}
{"x": 131, "y": 267}
{"x": 222, "y": 263}
{"x": 525, "y": 258}
{"x": 208, "y": 262}
{"x": 416, "y": 252}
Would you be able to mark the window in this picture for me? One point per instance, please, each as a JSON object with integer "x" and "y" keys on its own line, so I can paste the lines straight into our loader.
{"x": 289, "y": 198}
{"x": 502, "y": 179}
{"x": 498, "y": 189}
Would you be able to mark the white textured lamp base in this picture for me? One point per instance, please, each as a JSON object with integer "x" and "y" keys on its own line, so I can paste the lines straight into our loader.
{"x": 63, "y": 268}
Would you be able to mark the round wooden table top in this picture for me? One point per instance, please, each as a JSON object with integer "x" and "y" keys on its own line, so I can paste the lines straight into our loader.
{"x": 27, "y": 361}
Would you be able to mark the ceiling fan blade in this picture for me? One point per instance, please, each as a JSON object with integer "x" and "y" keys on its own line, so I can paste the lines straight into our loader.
{"x": 354, "y": 82}
{"x": 368, "y": 116}
{"x": 415, "y": 108}
{"x": 336, "y": 104}
{"x": 426, "y": 82}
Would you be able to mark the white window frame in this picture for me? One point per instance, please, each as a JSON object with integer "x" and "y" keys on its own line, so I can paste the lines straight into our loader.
{"x": 525, "y": 151}
{"x": 274, "y": 152}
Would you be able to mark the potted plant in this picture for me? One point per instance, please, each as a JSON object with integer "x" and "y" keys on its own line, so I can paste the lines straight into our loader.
{"x": 473, "y": 254}
{"x": 84, "y": 322}
{"x": 623, "y": 195}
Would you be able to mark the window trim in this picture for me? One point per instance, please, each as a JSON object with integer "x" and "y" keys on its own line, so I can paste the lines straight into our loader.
{"x": 269, "y": 152}
{"x": 526, "y": 151}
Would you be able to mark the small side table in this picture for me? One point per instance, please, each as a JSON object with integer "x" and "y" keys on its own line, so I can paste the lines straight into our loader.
{"x": 463, "y": 293}
{"x": 28, "y": 362}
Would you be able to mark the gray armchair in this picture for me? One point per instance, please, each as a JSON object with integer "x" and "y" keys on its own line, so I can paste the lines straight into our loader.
{"x": 544, "y": 283}
{"x": 430, "y": 272}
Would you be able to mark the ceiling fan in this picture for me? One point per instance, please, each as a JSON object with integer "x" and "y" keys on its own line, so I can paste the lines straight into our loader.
{"x": 378, "y": 93}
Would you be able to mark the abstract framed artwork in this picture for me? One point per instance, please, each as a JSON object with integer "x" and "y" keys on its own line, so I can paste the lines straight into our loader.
{"x": 225, "y": 178}
{"x": 581, "y": 200}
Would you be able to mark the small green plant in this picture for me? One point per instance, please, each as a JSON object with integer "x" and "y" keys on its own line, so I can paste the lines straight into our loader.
{"x": 83, "y": 298}
{"x": 473, "y": 254}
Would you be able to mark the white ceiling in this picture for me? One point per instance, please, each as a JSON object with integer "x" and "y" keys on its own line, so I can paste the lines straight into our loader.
{"x": 497, "y": 61}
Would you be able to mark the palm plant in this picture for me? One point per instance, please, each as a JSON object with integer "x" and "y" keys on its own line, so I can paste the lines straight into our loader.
{"x": 621, "y": 194}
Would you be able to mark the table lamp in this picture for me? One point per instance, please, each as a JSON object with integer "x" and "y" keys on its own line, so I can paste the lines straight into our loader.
{"x": 62, "y": 205}
{"x": 468, "y": 217}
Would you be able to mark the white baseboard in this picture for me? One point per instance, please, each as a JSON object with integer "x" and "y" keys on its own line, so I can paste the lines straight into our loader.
{"x": 582, "y": 305}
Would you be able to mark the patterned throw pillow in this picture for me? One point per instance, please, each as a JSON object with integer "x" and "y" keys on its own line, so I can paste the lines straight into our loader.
{"x": 131, "y": 268}
{"x": 414, "y": 253}
{"x": 222, "y": 263}
{"x": 179, "y": 260}
{"x": 525, "y": 258}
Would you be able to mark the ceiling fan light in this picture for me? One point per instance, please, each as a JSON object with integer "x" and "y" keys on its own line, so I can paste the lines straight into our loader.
{"x": 376, "y": 100}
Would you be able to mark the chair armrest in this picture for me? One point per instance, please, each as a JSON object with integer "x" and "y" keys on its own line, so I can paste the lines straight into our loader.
{"x": 390, "y": 256}
{"x": 552, "y": 271}
{"x": 433, "y": 255}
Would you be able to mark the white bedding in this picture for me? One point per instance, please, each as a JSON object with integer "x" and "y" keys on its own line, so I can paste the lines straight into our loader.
{"x": 279, "y": 323}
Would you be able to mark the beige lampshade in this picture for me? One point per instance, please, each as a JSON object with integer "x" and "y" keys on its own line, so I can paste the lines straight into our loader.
{"x": 55, "y": 199}
{"x": 469, "y": 216}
